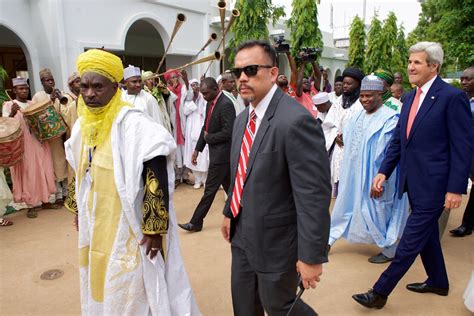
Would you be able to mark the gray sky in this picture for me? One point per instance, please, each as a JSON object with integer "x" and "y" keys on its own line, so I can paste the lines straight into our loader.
{"x": 344, "y": 11}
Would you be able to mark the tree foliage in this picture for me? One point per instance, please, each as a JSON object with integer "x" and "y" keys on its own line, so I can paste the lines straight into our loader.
{"x": 375, "y": 45}
{"x": 356, "y": 43}
{"x": 304, "y": 26}
{"x": 389, "y": 41}
{"x": 448, "y": 22}
{"x": 400, "y": 54}
{"x": 252, "y": 22}
{"x": 3, "y": 95}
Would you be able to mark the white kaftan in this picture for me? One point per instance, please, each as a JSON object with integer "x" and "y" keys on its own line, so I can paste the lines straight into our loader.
{"x": 129, "y": 283}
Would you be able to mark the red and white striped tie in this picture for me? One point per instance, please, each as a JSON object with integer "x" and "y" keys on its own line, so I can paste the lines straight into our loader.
{"x": 247, "y": 142}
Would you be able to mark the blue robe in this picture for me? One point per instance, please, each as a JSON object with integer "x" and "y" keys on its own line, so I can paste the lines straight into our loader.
{"x": 356, "y": 216}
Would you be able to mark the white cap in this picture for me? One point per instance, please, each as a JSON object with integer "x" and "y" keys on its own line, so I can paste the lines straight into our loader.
{"x": 131, "y": 71}
{"x": 193, "y": 81}
{"x": 320, "y": 98}
{"x": 219, "y": 78}
{"x": 19, "y": 82}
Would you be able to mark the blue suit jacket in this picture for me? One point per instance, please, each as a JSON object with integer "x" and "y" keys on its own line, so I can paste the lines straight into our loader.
{"x": 436, "y": 158}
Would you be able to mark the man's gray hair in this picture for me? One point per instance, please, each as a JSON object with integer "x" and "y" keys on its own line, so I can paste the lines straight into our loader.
{"x": 432, "y": 49}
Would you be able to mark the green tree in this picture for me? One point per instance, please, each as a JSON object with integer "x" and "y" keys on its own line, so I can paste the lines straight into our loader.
{"x": 304, "y": 26}
{"x": 389, "y": 40}
{"x": 3, "y": 94}
{"x": 252, "y": 22}
{"x": 375, "y": 45}
{"x": 356, "y": 43}
{"x": 400, "y": 54}
{"x": 448, "y": 22}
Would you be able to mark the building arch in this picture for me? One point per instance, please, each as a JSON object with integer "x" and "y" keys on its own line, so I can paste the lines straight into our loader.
{"x": 143, "y": 40}
{"x": 148, "y": 18}
{"x": 15, "y": 54}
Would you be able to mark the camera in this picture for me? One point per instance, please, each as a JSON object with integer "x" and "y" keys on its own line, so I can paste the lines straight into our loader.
{"x": 280, "y": 45}
{"x": 309, "y": 53}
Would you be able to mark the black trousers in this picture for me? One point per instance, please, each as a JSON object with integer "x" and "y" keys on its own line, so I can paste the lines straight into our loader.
{"x": 217, "y": 175}
{"x": 468, "y": 217}
{"x": 254, "y": 292}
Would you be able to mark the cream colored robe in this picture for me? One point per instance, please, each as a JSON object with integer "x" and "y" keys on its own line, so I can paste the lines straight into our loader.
{"x": 132, "y": 283}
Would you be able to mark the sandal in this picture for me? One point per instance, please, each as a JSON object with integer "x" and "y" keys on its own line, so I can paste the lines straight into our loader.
{"x": 50, "y": 206}
{"x": 5, "y": 222}
{"x": 32, "y": 213}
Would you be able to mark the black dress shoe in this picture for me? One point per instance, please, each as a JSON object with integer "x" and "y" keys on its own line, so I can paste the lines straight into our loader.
{"x": 190, "y": 227}
{"x": 425, "y": 288}
{"x": 371, "y": 299}
{"x": 461, "y": 231}
{"x": 379, "y": 258}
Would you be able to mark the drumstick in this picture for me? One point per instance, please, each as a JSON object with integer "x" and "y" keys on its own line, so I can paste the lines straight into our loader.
{"x": 8, "y": 95}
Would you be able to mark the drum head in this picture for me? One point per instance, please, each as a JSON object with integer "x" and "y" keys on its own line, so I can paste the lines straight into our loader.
{"x": 36, "y": 107}
{"x": 8, "y": 127}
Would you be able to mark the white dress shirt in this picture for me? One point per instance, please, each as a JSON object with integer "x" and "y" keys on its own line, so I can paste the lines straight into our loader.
{"x": 262, "y": 107}
{"x": 424, "y": 90}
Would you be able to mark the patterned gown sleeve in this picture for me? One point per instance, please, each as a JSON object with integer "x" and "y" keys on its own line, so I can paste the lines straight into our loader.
{"x": 156, "y": 200}
{"x": 71, "y": 203}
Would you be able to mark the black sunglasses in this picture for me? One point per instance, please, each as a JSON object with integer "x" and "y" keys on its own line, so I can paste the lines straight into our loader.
{"x": 250, "y": 70}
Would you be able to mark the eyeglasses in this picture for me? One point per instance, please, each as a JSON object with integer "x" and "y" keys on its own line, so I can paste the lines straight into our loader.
{"x": 250, "y": 70}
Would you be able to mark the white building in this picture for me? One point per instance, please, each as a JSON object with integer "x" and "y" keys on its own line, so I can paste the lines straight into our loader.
{"x": 36, "y": 34}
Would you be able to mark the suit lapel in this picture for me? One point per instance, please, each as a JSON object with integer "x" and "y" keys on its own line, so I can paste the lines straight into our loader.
{"x": 264, "y": 125}
{"x": 425, "y": 107}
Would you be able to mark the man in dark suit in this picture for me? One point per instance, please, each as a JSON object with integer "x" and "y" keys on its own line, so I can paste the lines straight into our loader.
{"x": 433, "y": 145}
{"x": 277, "y": 212}
{"x": 217, "y": 133}
{"x": 467, "y": 83}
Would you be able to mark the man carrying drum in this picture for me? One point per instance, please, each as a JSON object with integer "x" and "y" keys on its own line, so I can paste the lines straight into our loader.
{"x": 33, "y": 176}
{"x": 57, "y": 144}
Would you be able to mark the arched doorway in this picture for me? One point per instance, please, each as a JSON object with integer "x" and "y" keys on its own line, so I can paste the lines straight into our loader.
{"x": 143, "y": 46}
{"x": 13, "y": 59}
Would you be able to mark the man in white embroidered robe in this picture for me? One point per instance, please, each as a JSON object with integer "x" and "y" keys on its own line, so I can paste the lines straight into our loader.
{"x": 130, "y": 262}
{"x": 195, "y": 112}
{"x": 139, "y": 98}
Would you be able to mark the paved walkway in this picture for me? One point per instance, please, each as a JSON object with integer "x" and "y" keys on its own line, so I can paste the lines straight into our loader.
{"x": 32, "y": 246}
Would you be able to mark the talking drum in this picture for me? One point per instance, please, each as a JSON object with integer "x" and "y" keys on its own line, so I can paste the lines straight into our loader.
{"x": 11, "y": 142}
{"x": 45, "y": 122}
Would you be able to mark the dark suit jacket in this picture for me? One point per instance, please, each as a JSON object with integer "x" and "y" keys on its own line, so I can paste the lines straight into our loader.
{"x": 220, "y": 131}
{"x": 285, "y": 203}
{"x": 436, "y": 158}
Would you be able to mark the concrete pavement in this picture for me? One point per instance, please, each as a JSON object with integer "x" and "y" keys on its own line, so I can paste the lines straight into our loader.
{"x": 32, "y": 246}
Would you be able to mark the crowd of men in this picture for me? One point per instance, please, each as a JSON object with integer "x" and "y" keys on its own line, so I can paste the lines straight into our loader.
{"x": 395, "y": 162}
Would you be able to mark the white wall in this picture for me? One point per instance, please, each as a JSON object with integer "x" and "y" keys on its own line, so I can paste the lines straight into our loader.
{"x": 55, "y": 32}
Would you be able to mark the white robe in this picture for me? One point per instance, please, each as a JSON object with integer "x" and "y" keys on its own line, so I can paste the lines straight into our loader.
{"x": 239, "y": 105}
{"x": 334, "y": 98}
{"x": 186, "y": 95}
{"x": 146, "y": 103}
{"x": 343, "y": 116}
{"x": 195, "y": 115}
{"x": 5, "y": 194}
{"x": 329, "y": 125}
{"x": 134, "y": 284}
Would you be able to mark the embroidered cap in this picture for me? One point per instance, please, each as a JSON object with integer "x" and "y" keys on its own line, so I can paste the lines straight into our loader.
{"x": 19, "y": 81}
{"x": 320, "y": 98}
{"x": 371, "y": 83}
{"x": 131, "y": 71}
